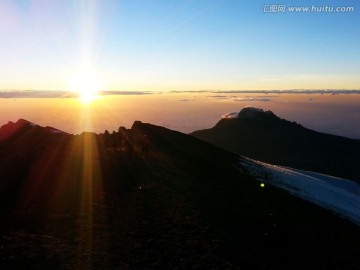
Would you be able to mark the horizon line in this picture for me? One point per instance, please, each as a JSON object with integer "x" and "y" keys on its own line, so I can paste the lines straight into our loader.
{"x": 31, "y": 93}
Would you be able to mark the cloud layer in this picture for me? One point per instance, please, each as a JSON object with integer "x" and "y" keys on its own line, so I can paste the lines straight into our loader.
{"x": 219, "y": 94}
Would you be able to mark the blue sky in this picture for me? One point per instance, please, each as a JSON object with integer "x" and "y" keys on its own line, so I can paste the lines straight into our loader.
{"x": 178, "y": 45}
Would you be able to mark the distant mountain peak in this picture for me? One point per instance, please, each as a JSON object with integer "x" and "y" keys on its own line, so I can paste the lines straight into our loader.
{"x": 22, "y": 121}
{"x": 263, "y": 136}
{"x": 249, "y": 113}
{"x": 253, "y": 112}
{"x": 10, "y": 129}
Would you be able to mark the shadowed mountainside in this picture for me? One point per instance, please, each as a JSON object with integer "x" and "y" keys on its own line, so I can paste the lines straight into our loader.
{"x": 264, "y": 136}
{"x": 74, "y": 202}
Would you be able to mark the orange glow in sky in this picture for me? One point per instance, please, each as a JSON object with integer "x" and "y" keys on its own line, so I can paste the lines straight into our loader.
{"x": 184, "y": 112}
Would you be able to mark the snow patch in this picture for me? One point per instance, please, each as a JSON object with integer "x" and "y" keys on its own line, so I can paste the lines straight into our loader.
{"x": 230, "y": 115}
{"x": 339, "y": 195}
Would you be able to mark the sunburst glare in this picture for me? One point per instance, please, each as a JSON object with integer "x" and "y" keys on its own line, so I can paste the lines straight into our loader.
{"x": 86, "y": 84}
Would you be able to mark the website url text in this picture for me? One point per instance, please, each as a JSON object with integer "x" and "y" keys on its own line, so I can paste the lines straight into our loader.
{"x": 307, "y": 9}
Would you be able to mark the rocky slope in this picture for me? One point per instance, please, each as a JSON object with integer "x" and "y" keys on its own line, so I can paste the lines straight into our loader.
{"x": 75, "y": 202}
{"x": 264, "y": 136}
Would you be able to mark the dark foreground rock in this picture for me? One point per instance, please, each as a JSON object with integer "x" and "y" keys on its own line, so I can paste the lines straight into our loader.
{"x": 78, "y": 202}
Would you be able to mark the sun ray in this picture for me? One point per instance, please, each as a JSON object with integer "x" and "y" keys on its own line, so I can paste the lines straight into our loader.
{"x": 86, "y": 84}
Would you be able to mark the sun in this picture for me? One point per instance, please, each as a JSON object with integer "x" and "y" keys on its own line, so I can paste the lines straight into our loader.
{"x": 86, "y": 84}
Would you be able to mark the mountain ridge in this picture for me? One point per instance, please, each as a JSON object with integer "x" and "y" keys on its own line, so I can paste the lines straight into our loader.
{"x": 268, "y": 138}
{"x": 77, "y": 201}
{"x": 10, "y": 129}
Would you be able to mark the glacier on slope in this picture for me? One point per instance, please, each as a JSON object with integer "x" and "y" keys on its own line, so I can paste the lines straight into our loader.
{"x": 339, "y": 195}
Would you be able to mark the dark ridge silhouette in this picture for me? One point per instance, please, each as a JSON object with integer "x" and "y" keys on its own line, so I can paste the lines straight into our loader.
{"x": 11, "y": 130}
{"x": 264, "y": 136}
{"x": 78, "y": 202}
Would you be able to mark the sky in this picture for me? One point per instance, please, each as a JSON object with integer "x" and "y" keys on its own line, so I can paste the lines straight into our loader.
{"x": 148, "y": 45}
